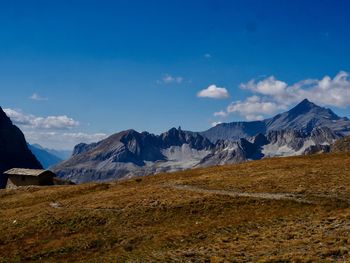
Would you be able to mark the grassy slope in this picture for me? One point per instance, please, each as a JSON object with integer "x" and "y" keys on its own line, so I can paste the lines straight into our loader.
{"x": 148, "y": 220}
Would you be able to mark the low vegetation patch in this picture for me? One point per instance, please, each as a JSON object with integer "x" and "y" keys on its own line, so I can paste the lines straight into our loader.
{"x": 219, "y": 214}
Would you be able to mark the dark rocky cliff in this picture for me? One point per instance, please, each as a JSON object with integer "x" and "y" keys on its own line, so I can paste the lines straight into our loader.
{"x": 14, "y": 151}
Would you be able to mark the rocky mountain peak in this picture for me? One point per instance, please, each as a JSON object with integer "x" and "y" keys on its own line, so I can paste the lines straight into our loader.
{"x": 129, "y": 134}
{"x": 173, "y": 133}
{"x": 178, "y": 137}
{"x": 4, "y": 120}
{"x": 304, "y": 105}
{"x": 308, "y": 107}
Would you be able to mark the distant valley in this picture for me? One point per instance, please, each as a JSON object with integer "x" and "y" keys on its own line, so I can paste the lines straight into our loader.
{"x": 48, "y": 157}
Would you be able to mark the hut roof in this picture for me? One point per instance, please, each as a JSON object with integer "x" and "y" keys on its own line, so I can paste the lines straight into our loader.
{"x": 27, "y": 172}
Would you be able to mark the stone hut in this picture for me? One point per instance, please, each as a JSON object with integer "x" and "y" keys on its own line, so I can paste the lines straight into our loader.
{"x": 24, "y": 177}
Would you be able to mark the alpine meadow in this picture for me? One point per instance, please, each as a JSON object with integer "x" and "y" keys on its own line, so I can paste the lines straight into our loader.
{"x": 175, "y": 131}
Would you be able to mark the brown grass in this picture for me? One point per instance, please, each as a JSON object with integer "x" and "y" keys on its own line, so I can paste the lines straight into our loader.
{"x": 146, "y": 220}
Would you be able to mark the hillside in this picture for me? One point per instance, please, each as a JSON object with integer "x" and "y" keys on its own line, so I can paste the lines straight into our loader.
{"x": 294, "y": 209}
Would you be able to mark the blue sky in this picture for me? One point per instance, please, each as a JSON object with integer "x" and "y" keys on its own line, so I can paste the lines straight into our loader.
{"x": 75, "y": 71}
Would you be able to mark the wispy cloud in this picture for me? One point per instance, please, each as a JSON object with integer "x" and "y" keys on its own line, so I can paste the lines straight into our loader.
{"x": 37, "y": 97}
{"x": 35, "y": 122}
{"x": 57, "y": 132}
{"x": 214, "y": 92}
{"x": 169, "y": 79}
{"x": 220, "y": 113}
{"x": 62, "y": 140}
{"x": 271, "y": 95}
{"x": 207, "y": 55}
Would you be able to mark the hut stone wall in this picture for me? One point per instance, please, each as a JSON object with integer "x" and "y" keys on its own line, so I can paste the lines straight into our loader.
{"x": 14, "y": 181}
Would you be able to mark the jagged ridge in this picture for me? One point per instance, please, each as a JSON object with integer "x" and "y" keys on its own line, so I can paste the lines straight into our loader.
{"x": 130, "y": 153}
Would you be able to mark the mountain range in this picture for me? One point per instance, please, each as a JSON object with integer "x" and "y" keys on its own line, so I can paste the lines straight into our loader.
{"x": 306, "y": 128}
{"x": 44, "y": 156}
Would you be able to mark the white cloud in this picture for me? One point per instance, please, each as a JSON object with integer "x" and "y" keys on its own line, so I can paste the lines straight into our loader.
{"x": 220, "y": 113}
{"x": 207, "y": 55}
{"x": 325, "y": 92}
{"x": 56, "y": 132}
{"x": 169, "y": 79}
{"x": 268, "y": 86}
{"x": 213, "y": 92}
{"x": 272, "y": 95}
{"x": 215, "y": 123}
{"x": 34, "y": 122}
{"x": 254, "y": 117}
{"x": 254, "y": 108}
{"x": 37, "y": 97}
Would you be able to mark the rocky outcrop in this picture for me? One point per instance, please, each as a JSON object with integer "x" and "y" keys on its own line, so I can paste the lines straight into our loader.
{"x": 341, "y": 145}
{"x": 14, "y": 152}
{"x": 274, "y": 144}
{"x": 235, "y": 130}
{"x": 178, "y": 137}
{"x": 298, "y": 142}
{"x": 315, "y": 149}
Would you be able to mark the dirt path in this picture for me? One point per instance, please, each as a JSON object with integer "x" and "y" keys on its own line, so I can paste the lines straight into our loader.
{"x": 268, "y": 196}
{"x": 319, "y": 199}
